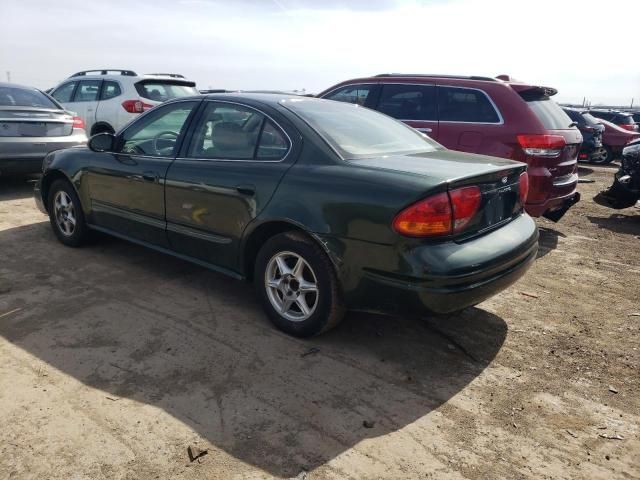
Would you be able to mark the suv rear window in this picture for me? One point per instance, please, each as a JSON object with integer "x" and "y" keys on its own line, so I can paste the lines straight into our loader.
{"x": 161, "y": 91}
{"x": 623, "y": 119}
{"x": 590, "y": 119}
{"x": 24, "y": 97}
{"x": 548, "y": 112}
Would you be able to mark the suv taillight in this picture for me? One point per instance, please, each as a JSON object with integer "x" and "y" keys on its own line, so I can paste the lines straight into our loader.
{"x": 78, "y": 122}
{"x": 523, "y": 187}
{"x": 630, "y": 126}
{"x": 440, "y": 214}
{"x": 542, "y": 145}
{"x": 136, "y": 106}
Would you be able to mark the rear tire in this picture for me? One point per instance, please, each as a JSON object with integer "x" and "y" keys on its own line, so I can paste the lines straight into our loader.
{"x": 298, "y": 286}
{"x": 602, "y": 156}
{"x": 101, "y": 128}
{"x": 66, "y": 215}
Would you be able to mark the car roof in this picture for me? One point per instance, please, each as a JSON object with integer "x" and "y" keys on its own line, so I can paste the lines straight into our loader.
{"x": 15, "y": 85}
{"x": 266, "y": 98}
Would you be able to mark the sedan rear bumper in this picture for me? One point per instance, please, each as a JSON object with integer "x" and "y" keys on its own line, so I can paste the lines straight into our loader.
{"x": 445, "y": 277}
{"x": 23, "y": 155}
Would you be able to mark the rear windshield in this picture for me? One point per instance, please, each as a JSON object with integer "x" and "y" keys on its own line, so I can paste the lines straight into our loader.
{"x": 625, "y": 119}
{"x": 549, "y": 113}
{"x": 357, "y": 132}
{"x": 24, "y": 97}
{"x": 161, "y": 91}
{"x": 590, "y": 119}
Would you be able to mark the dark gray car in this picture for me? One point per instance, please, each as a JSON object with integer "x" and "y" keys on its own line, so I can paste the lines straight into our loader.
{"x": 33, "y": 124}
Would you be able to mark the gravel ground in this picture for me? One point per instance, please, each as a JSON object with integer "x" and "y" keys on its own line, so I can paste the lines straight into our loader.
{"x": 114, "y": 360}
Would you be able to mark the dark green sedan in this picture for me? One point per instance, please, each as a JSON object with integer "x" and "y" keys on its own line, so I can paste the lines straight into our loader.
{"x": 325, "y": 206}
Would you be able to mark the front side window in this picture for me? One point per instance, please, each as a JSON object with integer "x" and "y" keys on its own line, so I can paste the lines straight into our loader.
{"x": 64, "y": 92}
{"x": 87, "y": 91}
{"x": 110, "y": 90}
{"x": 233, "y": 132}
{"x": 356, "y": 132}
{"x": 156, "y": 133}
{"x": 408, "y": 102}
{"x": 357, "y": 94}
{"x": 456, "y": 104}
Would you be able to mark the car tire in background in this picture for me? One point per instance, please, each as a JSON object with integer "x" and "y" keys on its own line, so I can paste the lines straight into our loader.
{"x": 601, "y": 156}
{"x": 66, "y": 215}
{"x": 101, "y": 128}
{"x": 297, "y": 285}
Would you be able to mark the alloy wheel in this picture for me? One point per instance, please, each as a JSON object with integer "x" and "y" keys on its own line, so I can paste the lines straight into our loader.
{"x": 65, "y": 214}
{"x": 292, "y": 286}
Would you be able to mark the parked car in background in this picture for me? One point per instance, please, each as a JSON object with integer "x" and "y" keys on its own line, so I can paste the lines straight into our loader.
{"x": 109, "y": 99}
{"x": 636, "y": 117}
{"x": 614, "y": 139}
{"x": 492, "y": 116}
{"x": 622, "y": 119}
{"x": 624, "y": 192}
{"x": 591, "y": 130}
{"x": 32, "y": 124}
{"x": 389, "y": 220}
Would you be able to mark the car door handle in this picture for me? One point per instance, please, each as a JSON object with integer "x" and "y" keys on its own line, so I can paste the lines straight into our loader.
{"x": 150, "y": 176}
{"x": 249, "y": 190}
{"x": 425, "y": 130}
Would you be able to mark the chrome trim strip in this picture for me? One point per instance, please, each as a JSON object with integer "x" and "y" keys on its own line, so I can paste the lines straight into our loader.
{"x": 383, "y": 83}
{"x": 192, "y": 232}
{"x": 101, "y": 207}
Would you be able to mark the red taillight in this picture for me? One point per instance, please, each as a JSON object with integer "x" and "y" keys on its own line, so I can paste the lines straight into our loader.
{"x": 631, "y": 127}
{"x": 136, "y": 106}
{"x": 542, "y": 145}
{"x": 583, "y": 156}
{"x": 440, "y": 214}
{"x": 78, "y": 122}
{"x": 523, "y": 187}
{"x": 465, "y": 203}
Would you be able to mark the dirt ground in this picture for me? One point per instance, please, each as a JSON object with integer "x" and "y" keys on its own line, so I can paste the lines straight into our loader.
{"x": 115, "y": 359}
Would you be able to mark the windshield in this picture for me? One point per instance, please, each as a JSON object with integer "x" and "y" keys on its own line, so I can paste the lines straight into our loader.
{"x": 161, "y": 91}
{"x": 357, "y": 132}
{"x": 24, "y": 97}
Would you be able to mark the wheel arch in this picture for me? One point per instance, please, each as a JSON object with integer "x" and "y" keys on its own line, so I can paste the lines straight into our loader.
{"x": 48, "y": 179}
{"x": 100, "y": 127}
{"x": 260, "y": 233}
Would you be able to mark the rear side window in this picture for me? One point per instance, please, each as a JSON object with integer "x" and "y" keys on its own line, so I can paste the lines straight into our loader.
{"x": 234, "y": 132}
{"x": 409, "y": 102}
{"x": 64, "y": 92}
{"x": 87, "y": 91}
{"x": 24, "y": 97}
{"x": 456, "y": 104}
{"x": 549, "y": 113}
{"x": 110, "y": 90}
{"x": 160, "y": 91}
{"x": 352, "y": 94}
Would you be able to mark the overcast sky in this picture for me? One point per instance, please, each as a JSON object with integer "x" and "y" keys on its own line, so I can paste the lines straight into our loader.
{"x": 580, "y": 47}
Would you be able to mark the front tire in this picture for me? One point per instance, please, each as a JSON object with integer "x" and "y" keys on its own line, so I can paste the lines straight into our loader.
{"x": 298, "y": 285}
{"x": 66, "y": 215}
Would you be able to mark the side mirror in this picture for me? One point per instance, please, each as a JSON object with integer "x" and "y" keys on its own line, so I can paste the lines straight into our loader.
{"x": 102, "y": 142}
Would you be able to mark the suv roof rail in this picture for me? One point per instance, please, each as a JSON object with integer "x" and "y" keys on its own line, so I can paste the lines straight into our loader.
{"x": 105, "y": 71}
{"x": 429, "y": 75}
{"x": 172, "y": 75}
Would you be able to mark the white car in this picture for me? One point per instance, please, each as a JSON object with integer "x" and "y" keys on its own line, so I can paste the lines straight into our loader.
{"x": 109, "y": 99}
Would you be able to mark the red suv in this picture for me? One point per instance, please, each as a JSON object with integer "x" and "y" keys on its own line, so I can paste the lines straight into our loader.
{"x": 493, "y": 116}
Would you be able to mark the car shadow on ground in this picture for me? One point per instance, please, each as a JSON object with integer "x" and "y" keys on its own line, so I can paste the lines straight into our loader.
{"x": 16, "y": 187}
{"x": 627, "y": 223}
{"x": 145, "y": 326}
{"x": 548, "y": 240}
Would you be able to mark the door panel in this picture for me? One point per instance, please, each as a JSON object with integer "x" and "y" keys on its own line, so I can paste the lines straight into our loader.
{"x": 127, "y": 186}
{"x": 85, "y": 101}
{"x": 229, "y": 172}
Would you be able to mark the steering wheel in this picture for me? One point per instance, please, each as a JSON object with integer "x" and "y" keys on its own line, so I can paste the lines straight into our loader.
{"x": 158, "y": 136}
